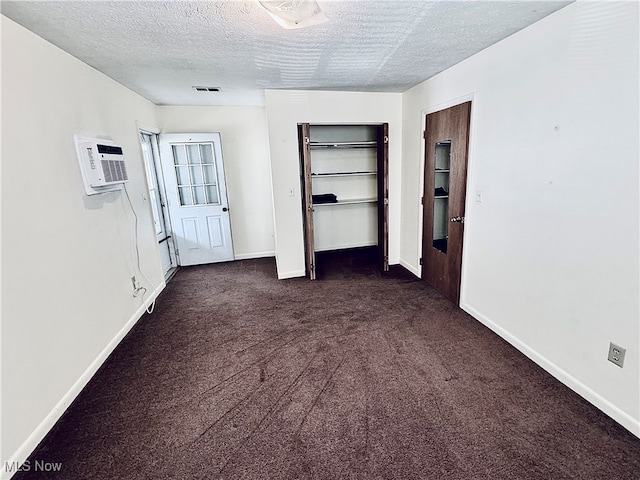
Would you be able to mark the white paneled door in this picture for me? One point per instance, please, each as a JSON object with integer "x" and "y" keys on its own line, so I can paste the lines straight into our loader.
{"x": 197, "y": 196}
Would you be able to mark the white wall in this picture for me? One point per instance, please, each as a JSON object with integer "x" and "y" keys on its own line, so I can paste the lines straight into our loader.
{"x": 287, "y": 108}
{"x": 551, "y": 253}
{"x": 67, "y": 259}
{"x": 245, "y": 152}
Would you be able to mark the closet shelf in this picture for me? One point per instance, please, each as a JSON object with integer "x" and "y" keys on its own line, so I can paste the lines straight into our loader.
{"x": 347, "y": 202}
{"x": 341, "y": 174}
{"x": 368, "y": 144}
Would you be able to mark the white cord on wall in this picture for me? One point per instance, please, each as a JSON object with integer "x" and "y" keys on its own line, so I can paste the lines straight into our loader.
{"x": 138, "y": 289}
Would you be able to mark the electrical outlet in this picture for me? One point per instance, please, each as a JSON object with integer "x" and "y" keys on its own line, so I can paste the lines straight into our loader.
{"x": 616, "y": 354}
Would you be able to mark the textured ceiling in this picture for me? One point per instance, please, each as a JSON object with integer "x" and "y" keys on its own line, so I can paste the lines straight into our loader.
{"x": 162, "y": 49}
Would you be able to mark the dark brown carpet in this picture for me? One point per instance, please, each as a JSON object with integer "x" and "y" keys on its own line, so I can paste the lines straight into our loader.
{"x": 356, "y": 376}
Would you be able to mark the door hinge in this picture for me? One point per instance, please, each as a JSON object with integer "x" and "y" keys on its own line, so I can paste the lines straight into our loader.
{"x": 420, "y": 261}
{"x": 424, "y": 134}
{"x": 306, "y": 140}
{"x": 421, "y": 200}
{"x": 386, "y": 139}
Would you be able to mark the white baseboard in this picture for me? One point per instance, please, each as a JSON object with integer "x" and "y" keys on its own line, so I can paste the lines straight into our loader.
{"x": 345, "y": 246}
{"x": 411, "y": 268}
{"x": 249, "y": 256}
{"x": 30, "y": 444}
{"x": 623, "y": 418}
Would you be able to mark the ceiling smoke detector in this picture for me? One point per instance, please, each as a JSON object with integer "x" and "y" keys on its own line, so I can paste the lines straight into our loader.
{"x": 294, "y": 13}
{"x": 206, "y": 89}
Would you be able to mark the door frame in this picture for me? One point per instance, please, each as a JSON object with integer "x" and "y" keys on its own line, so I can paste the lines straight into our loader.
{"x": 382, "y": 189}
{"x": 217, "y": 146}
{"x": 304, "y": 136}
{"x": 469, "y": 97}
{"x": 166, "y": 220}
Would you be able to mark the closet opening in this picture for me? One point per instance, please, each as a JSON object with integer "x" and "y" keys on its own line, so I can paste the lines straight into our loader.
{"x": 345, "y": 194}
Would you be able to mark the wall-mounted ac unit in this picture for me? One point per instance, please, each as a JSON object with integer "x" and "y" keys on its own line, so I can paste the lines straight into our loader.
{"x": 102, "y": 164}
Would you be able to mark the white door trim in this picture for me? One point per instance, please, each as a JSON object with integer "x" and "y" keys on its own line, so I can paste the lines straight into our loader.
{"x": 160, "y": 188}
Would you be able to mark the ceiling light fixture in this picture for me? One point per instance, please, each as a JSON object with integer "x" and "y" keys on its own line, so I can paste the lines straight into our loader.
{"x": 294, "y": 13}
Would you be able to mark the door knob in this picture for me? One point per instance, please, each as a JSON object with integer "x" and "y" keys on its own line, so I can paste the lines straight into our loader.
{"x": 225, "y": 209}
{"x": 457, "y": 219}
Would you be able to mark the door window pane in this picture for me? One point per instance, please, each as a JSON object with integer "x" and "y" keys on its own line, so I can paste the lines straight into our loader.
{"x": 154, "y": 210}
{"x": 179, "y": 155}
{"x": 206, "y": 153}
{"x": 210, "y": 174}
{"x": 199, "y": 195}
{"x": 212, "y": 194}
{"x": 194, "y": 153}
{"x": 196, "y": 174}
{"x": 185, "y": 196}
{"x": 152, "y": 181}
{"x": 441, "y": 196}
{"x": 182, "y": 175}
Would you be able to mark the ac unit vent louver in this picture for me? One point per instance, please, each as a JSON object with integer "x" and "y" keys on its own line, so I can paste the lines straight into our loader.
{"x": 114, "y": 171}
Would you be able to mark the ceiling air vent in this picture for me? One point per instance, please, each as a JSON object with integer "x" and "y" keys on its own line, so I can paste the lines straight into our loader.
{"x": 206, "y": 89}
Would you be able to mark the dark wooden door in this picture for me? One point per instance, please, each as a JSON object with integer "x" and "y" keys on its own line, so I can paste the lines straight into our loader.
{"x": 304, "y": 142}
{"x": 445, "y": 178}
{"x": 383, "y": 197}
